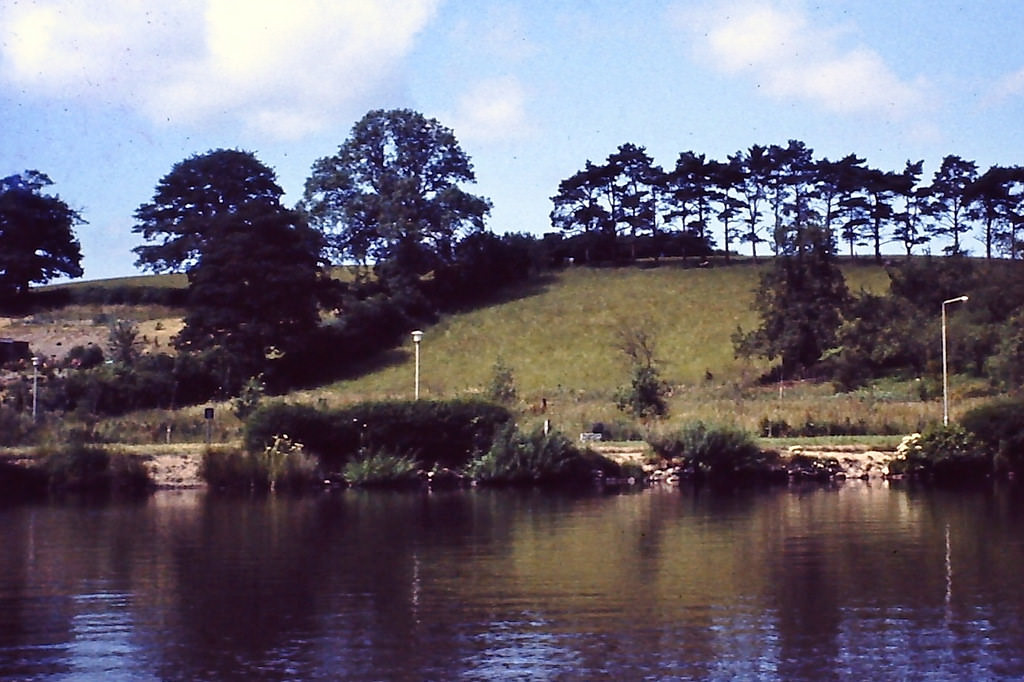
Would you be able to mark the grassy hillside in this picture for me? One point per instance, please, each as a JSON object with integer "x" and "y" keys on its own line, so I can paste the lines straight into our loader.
{"x": 561, "y": 342}
{"x": 560, "y": 339}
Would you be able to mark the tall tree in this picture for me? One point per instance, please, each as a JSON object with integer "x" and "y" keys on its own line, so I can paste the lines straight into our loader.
{"x": 912, "y": 197}
{"x": 756, "y": 166}
{"x": 253, "y": 266}
{"x": 393, "y": 191}
{"x": 796, "y": 163}
{"x": 949, "y": 205}
{"x": 578, "y": 206}
{"x": 253, "y": 294}
{"x": 840, "y": 197}
{"x": 37, "y": 238}
{"x": 692, "y": 188}
{"x": 996, "y": 196}
{"x": 726, "y": 180}
{"x": 634, "y": 174}
{"x": 194, "y": 196}
{"x": 800, "y": 303}
{"x": 880, "y": 188}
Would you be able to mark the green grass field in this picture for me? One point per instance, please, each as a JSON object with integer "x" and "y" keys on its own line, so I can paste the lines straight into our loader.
{"x": 561, "y": 343}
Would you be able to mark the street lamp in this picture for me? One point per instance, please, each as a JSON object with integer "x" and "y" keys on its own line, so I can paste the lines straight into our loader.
{"x": 417, "y": 336}
{"x": 945, "y": 380}
{"x": 35, "y": 385}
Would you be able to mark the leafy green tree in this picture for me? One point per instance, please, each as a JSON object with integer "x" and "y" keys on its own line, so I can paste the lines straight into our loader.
{"x": 579, "y": 206}
{"x": 880, "y": 188}
{"x": 800, "y": 302}
{"x": 123, "y": 342}
{"x": 253, "y": 295}
{"x": 726, "y": 179}
{"x": 949, "y": 205}
{"x": 880, "y": 336}
{"x": 635, "y": 175}
{"x": 692, "y": 187}
{"x": 838, "y": 182}
{"x": 646, "y": 395}
{"x": 756, "y": 166}
{"x": 190, "y": 199}
{"x": 393, "y": 192}
{"x": 913, "y": 198}
{"x": 37, "y": 239}
{"x": 999, "y": 204}
{"x": 253, "y": 266}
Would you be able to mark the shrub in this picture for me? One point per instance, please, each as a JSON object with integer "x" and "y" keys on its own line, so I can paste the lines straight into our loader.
{"x": 517, "y": 458}
{"x": 87, "y": 467}
{"x": 116, "y": 389}
{"x": 282, "y": 465}
{"x": 1000, "y": 426}
{"x": 947, "y": 453}
{"x": 249, "y": 397}
{"x": 502, "y": 388}
{"x": 230, "y": 468}
{"x": 84, "y": 357}
{"x": 381, "y": 468}
{"x": 445, "y": 433}
{"x": 645, "y": 396}
{"x": 15, "y": 427}
{"x": 715, "y": 452}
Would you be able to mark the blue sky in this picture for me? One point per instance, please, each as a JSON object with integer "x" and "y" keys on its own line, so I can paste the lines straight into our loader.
{"x": 106, "y": 95}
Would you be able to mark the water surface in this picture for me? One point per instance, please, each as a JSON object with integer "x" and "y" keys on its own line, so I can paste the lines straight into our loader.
{"x": 860, "y": 581}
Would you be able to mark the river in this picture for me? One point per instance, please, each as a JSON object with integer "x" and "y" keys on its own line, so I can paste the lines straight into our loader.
{"x": 860, "y": 581}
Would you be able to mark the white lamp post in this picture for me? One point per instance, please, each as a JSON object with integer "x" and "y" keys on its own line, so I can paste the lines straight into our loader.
{"x": 417, "y": 336}
{"x": 945, "y": 380}
{"x": 35, "y": 385}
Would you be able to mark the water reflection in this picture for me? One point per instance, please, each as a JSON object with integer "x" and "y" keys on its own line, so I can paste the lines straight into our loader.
{"x": 807, "y": 583}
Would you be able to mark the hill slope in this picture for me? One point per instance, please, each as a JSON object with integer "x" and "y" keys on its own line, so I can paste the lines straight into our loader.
{"x": 562, "y": 340}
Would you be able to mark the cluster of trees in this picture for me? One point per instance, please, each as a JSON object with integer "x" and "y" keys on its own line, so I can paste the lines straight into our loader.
{"x": 393, "y": 200}
{"x": 261, "y": 302}
{"x": 760, "y": 195}
{"x": 812, "y": 325}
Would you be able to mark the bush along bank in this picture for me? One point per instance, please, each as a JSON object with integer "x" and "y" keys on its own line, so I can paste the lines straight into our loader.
{"x": 79, "y": 468}
{"x": 398, "y": 444}
{"x": 987, "y": 442}
{"x": 702, "y": 452}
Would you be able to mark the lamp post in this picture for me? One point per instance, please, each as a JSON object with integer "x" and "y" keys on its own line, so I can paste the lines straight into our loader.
{"x": 417, "y": 336}
{"x": 945, "y": 379}
{"x": 35, "y": 385}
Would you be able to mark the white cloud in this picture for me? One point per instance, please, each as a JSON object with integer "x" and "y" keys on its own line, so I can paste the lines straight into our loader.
{"x": 1010, "y": 85}
{"x": 787, "y": 56}
{"x": 277, "y": 68}
{"x": 494, "y": 109}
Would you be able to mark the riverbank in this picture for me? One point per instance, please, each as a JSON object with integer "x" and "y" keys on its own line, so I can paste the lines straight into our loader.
{"x": 174, "y": 466}
{"x": 820, "y": 460}
{"x": 177, "y": 466}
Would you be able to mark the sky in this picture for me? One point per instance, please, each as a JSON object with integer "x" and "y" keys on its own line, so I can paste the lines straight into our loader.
{"x": 105, "y": 96}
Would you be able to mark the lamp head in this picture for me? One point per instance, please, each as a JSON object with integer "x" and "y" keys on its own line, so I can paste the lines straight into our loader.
{"x": 417, "y": 336}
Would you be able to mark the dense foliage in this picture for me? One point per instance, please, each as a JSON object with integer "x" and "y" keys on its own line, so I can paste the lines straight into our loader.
{"x": 766, "y": 193}
{"x": 516, "y": 458}
{"x": 716, "y": 453}
{"x": 800, "y": 302}
{"x": 37, "y": 238}
{"x": 446, "y": 433}
{"x": 392, "y": 192}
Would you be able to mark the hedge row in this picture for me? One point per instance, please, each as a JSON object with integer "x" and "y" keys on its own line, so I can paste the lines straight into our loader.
{"x": 446, "y": 433}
